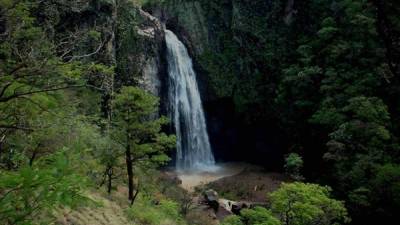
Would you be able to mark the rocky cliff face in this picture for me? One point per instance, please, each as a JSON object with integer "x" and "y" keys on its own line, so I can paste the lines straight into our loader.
{"x": 187, "y": 19}
{"x": 210, "y": 27}
{"x": 114, "y": 33}
{"x": 199, "y": 22}
{"x": 141, "y": 52}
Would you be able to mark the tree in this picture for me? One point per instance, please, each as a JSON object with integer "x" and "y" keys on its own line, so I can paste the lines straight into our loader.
{"x": 139, "y": 133}
{"x": 307, "y": 204}
{"x": 232, "y": 220}
{"x": 36, "y": 190}
{"x": 259, "y": 216}
{"x": 339, "y": 90}
{"x": 385, "y": 190}
{"x": 357, "y": 147}
{"x": 34, "y": 78}
{"x": 256, "y": 216}
{"x": 109, "y": 154}
{"x": 295, "y": 204}
{"x": 293, "y": 165}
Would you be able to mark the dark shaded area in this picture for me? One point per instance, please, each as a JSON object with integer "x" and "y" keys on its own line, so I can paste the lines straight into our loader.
{"x": 233, "y": 139}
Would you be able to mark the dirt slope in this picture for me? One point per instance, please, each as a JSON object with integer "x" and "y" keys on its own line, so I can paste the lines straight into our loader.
{"x": 110, "y": 212}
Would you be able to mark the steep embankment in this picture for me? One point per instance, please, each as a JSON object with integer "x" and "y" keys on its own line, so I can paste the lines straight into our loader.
{"x": 109, "y": 212}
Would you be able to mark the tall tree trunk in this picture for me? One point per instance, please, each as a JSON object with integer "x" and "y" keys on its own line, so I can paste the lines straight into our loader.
{"x": 129, "y": 169}
{"x": 136, "y": 194}
{"x": 107, "y": 104}
{"x": 1, "y": 144}
{"x": 109, "y": 176}
{"x": 33, "y": 157}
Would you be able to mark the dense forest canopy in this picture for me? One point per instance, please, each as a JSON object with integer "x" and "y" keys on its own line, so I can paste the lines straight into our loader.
{"x": 330, "y": 79}
{"x": 326, "y": 74}
{"x": 78, "y": 111}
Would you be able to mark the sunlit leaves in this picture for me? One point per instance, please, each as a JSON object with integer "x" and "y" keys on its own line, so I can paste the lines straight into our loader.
{"x": 300, "y": 203}
{"x": 259, "y": 216}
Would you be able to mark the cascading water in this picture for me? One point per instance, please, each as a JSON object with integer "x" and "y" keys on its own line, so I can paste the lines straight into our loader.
{"x": 186, "y": 110}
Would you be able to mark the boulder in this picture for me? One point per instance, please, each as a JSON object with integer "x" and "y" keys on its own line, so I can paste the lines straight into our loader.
{"x": 238, "y": 206}
{"x": 211, "y": 199}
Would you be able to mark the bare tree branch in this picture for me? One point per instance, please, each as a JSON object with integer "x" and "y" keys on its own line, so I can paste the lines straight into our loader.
{"x": 5, "y": 88}
{"x": 14, "y": 127}
{"x": 90, "y": 54}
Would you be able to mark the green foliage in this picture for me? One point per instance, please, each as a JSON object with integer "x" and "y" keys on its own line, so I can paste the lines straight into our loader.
{"x": 150, "y": 2}
{"x": 128, "y": 67}
{"x": 300, "y": 204}
{"x": 387, "y": 184}
{"x": 148, "y": 212}
{"x": 49, "y": 116}
{"x": 37, "y": 85}
{"x": 328, "y": 77}
{"x": 36, "y": 191}
{"x": 358, "y": 145}
{"x": 232, "y": 220}
{"x": 134, "y": 109}
{"x": 237, "y": 69}
{"x": 259, "y": 216}
{"x": 295, "y": 204}
{"x": 222, "y": 78}
{"x": 333, "y": 88}
{"x": 293, "y": 165}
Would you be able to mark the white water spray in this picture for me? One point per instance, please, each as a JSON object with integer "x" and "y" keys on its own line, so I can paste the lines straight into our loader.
{"x": 186, "y": 110}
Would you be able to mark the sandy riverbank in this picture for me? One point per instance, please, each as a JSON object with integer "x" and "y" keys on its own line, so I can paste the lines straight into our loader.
{"x": 191, "y": 179}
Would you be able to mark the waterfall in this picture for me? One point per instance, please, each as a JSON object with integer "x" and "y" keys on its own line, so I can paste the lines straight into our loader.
{"x": 186, "y": 110}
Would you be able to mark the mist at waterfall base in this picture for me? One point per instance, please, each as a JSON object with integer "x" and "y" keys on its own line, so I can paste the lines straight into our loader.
{"x": 193, "y": 149}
